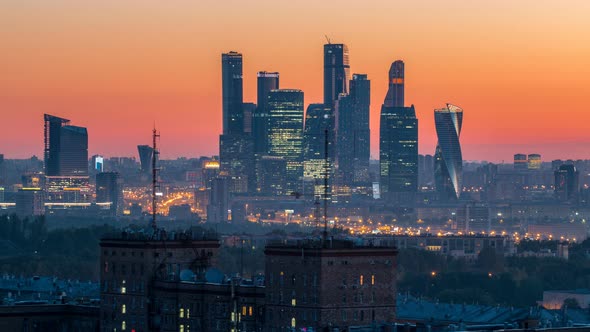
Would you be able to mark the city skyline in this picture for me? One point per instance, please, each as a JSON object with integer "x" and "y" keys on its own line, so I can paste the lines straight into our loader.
{"x": 179, "y": 84}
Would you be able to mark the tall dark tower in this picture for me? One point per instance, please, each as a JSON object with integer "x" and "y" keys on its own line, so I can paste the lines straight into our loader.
{"x": 395, "y": 93}
{"x": 145, "y": 158}
{"x": 285, "y": 133}
{"x": 398, "y": 142}
{"x": 318, "y": 119}
{"x": 236, "y": 147}
{"x": 360, "y": 91}
{"x": 232, "y": 93}
{"x": 52, "y": 134}
{"x": 73, "y": 154}
{"x": 448, "y": 159}
{"x": 336, "y": 72}
{"x": 266, "y": 82}
{"x": 352, "y": 132}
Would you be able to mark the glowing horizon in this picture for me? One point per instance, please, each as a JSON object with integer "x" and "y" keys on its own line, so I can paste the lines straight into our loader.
{"x": 519, "y": 70}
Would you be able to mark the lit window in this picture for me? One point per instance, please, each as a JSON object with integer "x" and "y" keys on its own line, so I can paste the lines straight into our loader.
{"x": 293, "y": 322}
{"x": 373, "y": 279}
{"x": 181, "y": 313}
{"x": 181, "y": 328}
{"x": 293, "y": 302}
{"x": 361, "y": 279}
{"x": 244, "y": 310}
{"x": 250, "y": 311}
{"x": 123, "y": 309}
{"x": 123, "y": 288}
{"x": 123, "y": 326}
{"x": 188, "y": 315}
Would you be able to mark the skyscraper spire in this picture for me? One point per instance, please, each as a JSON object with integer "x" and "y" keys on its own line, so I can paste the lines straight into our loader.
{"x": 395, "y": 93}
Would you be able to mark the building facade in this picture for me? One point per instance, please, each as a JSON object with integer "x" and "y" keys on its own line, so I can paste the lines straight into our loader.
{"x": 334, "y": 285}
{"x": 266, "y": 82}
{"x": 131, "y": 265}
{"x": 398, "y": 142}
{"x": 285, "y": 133}
{"x": 336, "y": 72}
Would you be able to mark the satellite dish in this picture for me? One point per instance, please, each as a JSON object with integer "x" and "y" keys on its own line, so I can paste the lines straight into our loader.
{"x": 214, "y": 276}
{"x": 187, "y": 275}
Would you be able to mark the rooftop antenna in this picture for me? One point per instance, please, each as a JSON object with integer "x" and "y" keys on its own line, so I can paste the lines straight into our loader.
{"x": 325, "y": 195}
{"x": 155, "y": 137}
{"x": 328, "y": 39}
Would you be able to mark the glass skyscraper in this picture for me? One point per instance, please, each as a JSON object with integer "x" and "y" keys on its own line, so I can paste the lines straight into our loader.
{"x": 232, "y": 93}
{"x": 318, "y": 122}
{"x": 52, "y": 134}
{"x": 336, "y": 72}
{"x": 266, "y": 82}
{"x": 236, "y": 147}
{"x": 448, "y": 167}
{"x": 285, "y": 133}
{"x": 66, "y": 148}
{"x": 66, "y": 161}
{"x": 398, "y": 142}
{"x": 353, "y": 133}
{"x": 395, "y": 93}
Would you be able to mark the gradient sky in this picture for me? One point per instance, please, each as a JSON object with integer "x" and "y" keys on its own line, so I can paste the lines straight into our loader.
{"x": 519, "y": 69}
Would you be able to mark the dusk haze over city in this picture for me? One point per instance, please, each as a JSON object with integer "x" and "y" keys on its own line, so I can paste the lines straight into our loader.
{"x": 520, "y": 68}
{"x": 295, "y": 166}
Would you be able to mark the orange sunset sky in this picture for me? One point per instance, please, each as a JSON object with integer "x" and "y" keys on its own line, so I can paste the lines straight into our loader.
{"x": 519, "y": 69}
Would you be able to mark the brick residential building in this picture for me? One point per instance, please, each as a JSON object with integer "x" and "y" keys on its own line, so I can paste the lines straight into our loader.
{"x": 327, "y": 286}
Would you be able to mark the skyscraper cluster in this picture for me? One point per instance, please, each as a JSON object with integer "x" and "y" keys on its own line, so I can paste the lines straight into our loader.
{"x": 278, "y": 149}
{"x": 274, "y": 148}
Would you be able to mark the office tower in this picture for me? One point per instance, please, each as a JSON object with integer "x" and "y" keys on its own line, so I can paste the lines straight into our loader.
{"x": 318, "y": 122}
{"x": 271, "y": 175}
{"x": 2, "y": 172}
{"x": 425, "y": 170}
{"x": 136, "y": 268}
{"x": 360, "y": 92}
{"x": 66, "y": 148}
{"x": 448, "y": 169}
{"x": 52, "y": 134}
{"x": 145, "y": 158}
{"x": 232, "y": 91}
{"x": 266, "y": 82}
{"x": 398, "y": 153}
{"x": 209, "y": 170}
{"x": 236, "y": 147}
{"x": 566, "y": 183}
{"x": 398, "y": 143}
{"x": 520, "y": 162}
{"x": 285, "y": 133}
{"x": 395, "y": 93}
{"x": 29, "y": 202}
{"x": 249, "y": 110}
{"x": 108, "y": 189}
{"x": 336, "y": 72}
{"x": 352, "y": 132}
{"x": 97, "y": 164}
{"x": 236, "y": 156}
{"x": 217, "y": 210}
{"x": 73, "y": 157}
{"x": 534, "y": 161}
{"x": 310, "y": 287}
{"x": 66, "y": 162}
